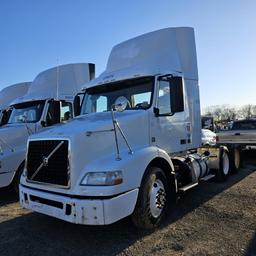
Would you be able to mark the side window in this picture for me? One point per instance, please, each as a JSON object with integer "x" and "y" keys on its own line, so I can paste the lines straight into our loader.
{"x": 53, "y": 113}
{"x": 5, "y": 116}
{"x": 164, "y": 98}
{"x": 170, "y": 96}
{"x": 101, "y": 104}
{"x": 141, "y": 100}
{"x": 65, "y": 111}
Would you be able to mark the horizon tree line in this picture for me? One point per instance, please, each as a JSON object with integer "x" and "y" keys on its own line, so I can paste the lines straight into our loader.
{"x": 227, "y": 112}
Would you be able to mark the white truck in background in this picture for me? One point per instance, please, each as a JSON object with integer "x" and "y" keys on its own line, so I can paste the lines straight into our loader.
{"x": 136, "y": 144}
{"x": 49, "y": 101}
{"x": 7, "y": 95}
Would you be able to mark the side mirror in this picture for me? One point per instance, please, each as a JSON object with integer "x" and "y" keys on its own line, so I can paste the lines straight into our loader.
{"x": 156, "y": 111}
{"x": 77, "y": 105}
{"x": 5, "y": 117}
{"x": 177, "y": 98}
{"x": 43, "y": 123}
{"x": 120, "y": 104}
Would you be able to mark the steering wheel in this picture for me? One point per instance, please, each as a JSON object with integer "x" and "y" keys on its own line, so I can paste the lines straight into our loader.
{"x": 142, "y": 105}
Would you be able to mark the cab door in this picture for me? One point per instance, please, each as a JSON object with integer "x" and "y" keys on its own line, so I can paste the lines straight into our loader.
{"x": 168, "y": 122}
{"x": 57, "y": 112}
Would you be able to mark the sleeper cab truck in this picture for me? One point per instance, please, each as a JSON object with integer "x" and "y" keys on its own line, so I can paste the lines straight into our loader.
{"x": 136, "y": 144}
{"x": 48, "y": 102}
{"x": 7, "y": 95}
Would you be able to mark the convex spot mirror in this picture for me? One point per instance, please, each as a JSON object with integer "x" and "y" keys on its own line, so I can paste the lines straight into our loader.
{"x": 121, "y": 104}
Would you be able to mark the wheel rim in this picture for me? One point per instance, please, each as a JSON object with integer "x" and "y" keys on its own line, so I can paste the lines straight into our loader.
{"x": 225, "y": 162}
{"x": 237, "y": 158}
{"x": 157, "y": 198}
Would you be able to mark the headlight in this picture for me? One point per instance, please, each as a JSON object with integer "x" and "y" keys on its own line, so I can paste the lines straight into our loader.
{"x": 102, "y": 178}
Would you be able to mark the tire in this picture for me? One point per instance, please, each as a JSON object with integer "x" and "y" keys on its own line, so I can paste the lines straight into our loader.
{"x": 16, "y": 180}
{"x": 224, "y": 168}
{"x": 153, "y": 199}
{"x": 235, "y": 159}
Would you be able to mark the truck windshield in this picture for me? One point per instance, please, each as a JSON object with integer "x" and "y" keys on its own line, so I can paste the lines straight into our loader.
{"x": 137, "y": 91}
{"x": 28, "y": 112}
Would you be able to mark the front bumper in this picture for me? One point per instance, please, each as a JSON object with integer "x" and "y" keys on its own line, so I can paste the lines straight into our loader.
{"x": 79, "y": 211}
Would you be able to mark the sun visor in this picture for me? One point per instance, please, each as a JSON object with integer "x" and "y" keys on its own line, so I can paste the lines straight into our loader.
{"x": 10, "y": 93}
{"x": 167, "y": 50}
{"x": 62, "y": 82}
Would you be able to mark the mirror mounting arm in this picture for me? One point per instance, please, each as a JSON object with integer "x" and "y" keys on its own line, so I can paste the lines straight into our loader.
{"x": 156, "y": 111}
{"x": 115, "y": 132}
{"x": 117, "y": 126}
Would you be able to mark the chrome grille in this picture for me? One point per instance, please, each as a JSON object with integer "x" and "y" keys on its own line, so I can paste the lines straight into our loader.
{"x": 47, "y": 162}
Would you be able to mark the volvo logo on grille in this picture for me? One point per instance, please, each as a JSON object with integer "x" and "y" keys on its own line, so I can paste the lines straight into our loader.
{"x": 45, "y": 161}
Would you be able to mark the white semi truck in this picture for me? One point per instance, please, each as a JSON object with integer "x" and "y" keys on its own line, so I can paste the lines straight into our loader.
{"x": 136, "y": 144}
{"x": 49, "y": 101}
{"x": 7, "y": 95}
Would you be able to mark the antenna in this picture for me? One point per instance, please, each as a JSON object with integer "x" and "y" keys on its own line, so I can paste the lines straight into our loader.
{"x": 57, "y": 78}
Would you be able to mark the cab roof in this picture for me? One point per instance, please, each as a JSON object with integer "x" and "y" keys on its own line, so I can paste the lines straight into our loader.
{"x": 168, "y": 50}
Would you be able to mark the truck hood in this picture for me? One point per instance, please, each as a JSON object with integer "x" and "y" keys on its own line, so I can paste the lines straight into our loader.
{"x": 86, "y": 125}
{"x": 87, "y": 150}
{"x": 15, "y": 135}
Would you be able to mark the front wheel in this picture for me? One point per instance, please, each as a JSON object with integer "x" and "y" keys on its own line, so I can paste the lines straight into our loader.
{"x": 16, "y": 180}
{"x": 152, "y": 200}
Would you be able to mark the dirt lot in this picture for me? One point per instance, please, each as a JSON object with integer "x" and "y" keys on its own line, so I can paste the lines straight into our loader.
{"x": 212, "y": 219}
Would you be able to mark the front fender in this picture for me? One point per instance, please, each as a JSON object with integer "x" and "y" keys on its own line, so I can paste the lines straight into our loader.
{"x": 163, "y": 154}
{"x": 133, "y": 167}
{"x": 10, "y": 162}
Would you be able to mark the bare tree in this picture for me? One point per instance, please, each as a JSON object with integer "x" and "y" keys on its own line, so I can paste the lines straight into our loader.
{"x": 254, "y": 111}
{"x": 229, "y": 113}
{"x": 221, "y": 112}
{"x": 246, "y": 111}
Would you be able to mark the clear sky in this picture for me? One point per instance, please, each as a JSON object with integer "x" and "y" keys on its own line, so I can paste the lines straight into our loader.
{"x": 38, "y": 34}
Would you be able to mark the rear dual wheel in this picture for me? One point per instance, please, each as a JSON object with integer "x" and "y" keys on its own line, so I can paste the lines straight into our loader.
{"x": 224, "y": 167}
{"x": 235, "y": 159}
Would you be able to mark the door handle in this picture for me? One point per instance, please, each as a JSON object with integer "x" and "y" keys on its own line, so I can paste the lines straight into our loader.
{"x": 237, "y": 134}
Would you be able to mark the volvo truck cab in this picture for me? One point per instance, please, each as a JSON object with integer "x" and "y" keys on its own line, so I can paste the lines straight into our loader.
{"x": 136, "y": 144}
{"x": 48, "y": 102}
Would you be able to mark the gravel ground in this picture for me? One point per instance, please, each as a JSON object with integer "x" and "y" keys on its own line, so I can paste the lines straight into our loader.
{"x": 212, "y": 219}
